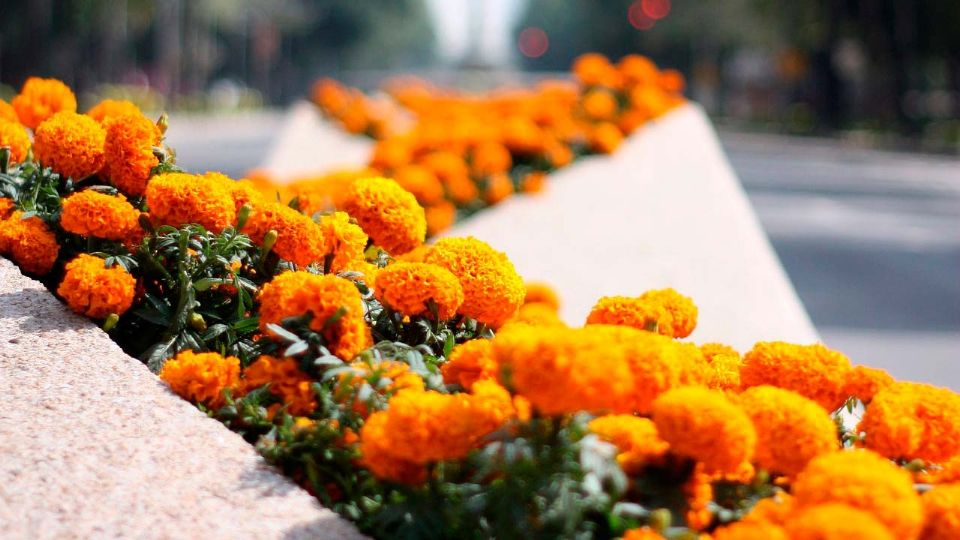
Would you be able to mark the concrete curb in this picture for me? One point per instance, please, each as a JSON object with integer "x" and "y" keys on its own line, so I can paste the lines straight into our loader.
{"x": 93, "y": 445}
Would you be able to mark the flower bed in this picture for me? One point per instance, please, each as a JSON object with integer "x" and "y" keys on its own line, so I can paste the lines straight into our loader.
{"x": 425, "y": 391}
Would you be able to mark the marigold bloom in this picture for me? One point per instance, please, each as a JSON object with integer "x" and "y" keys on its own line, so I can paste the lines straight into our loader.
{"x": 864, "y": 382}
{"x": 776, "y": 509}
{"x": 71, "y": 144}
{"x": 391, "y": 153}
{"x": 491, "y": 287}
{"x": 470, "y": 362}
{"x": 111, "y": 108}
{"x": 836, "y": 522}
{"x": 440, "y": 217}
{"x": 813, "y": 371}
{"x": 706, "y": 426}
{"x": 593, "y": 69}
{"x": 941, "y": 509}
{"x": 7, "y": 112}
{"x": 642, "y": 533}
{"x": 665, "y": 310}
{"x": 15, "y": 137}
{"x": 637, "y": 69}
{"x": 129, "y": 152}
{"x": 376, "y": 445}
{"x": 92, "y": 289}
{"x": 533, "y": 182}
{"x": 299, "y": 239}
{"x": 600, "y": 104}
{"x": 866, "y": 481}
{"x": 490, "y": 158}
{"x": 286, "y": 381}
{"x": 7, "y": 207}
{"x": 29, "y": 242}
{"x": 345, "y": 242}
{"x": 636, "y": 438}
{"x": 791, "y": 429}
{"x": 541, "y": 293}
{"x": 178, "y": 199}
{"x": 723, "y": 372}
{"x": 91, "y": 213}
{"x": 499, "y": 187}
{"x": 389, "y": 214}
{"x": 913, "y": 421}
{"x": 750, "y": 530}
{"x": 201, "y": 377}
{"x": 409, "y": 287}
{"x": 538, "y": 315}
{"x": 40, "y": 99}
{"x": 293, "y": 294}
{"x": 421, "y": 182}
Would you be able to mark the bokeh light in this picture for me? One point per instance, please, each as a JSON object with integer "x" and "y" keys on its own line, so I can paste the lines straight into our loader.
{"x": 533, "y": 42}
{"x": 655, "y": 9}
{"x": 638, "y": 17}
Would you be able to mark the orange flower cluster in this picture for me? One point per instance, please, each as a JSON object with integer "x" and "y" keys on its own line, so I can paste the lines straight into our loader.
{"x": 387, "y": 213}
{"x": 470, "y": 362}
{"x": 663, "y": 311}
{"x": 293, "y": 294}
{"x": 29, "y": 242}
{"x": 813, "y": 371}
{"x": 178, "y": 199}
{"x": 299, "y": 239}
{"x": 345, "y": 242}
{"x": 636, "y": 438}
{"x": 941, "y": 508}
{"x": 419, "y": 289}
{"x": 130, "y": 140}
{"x": 91, "y": 213}
{"x": 40, "y": 99}
{"x": 913, "y": 421}
{"x": 14, "y": 137}
{"x": 71, "y": 144}
{"x": 286, "y": 381}
{"x": 113, "y": 108}
{"x": 201, "y": 377}
{"x": 92, "y": 289}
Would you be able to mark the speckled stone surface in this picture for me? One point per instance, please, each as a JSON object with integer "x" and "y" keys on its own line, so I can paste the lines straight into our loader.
{"x": 93, "y": 445}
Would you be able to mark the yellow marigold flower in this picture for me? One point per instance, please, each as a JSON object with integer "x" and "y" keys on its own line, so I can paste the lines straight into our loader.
{"x": 538, "y": 315}
{"x": 71, "y": 144}
{"x": 91, "y": 213}
{"x": 440, "y": 217}
{"x": 409, "y": 288}
{"x": 345, "y": 242}
{"x": 29, "y": 242}
{"x": 864, "y": 382}
{"x": 866, "y": 481}
{"x": 292, "y": 294}
{"x": 92, "y": 289}
{"x": 178, "y": 199}
{"x": 242, "y": 191}
{"x": 642, "y": 533}
{"x": 813, "y": 371}
{"x": 664, "y": 311}
{"x": 110, "y": 108}
{"x": 636, "y": 438}
{"x": 704, "y": 425}
{"x": 129, "y": 152}
{"x": 913, "y": 421}
{"x": 40, "y": 99}
{"x": 420, "y": 181}
{"x": 491, "y": 287}
{"x": 941, "y": 508}
{"x": 750, "y": 530}
{"x": 201, "y": 377}
{"x": 791, "y": 429}
{"x": 427, "y": 426}
{"x": 7, "y": 112}
{"x": 388, "y": 213}
{"x": 541, "y": 293}
{"x": 836, "y": 522}
{"x": 299, "y": 239}
{"x": 15, "y": 137}
{"x": 286, "y": 381}
{"x": 470, "y": 362}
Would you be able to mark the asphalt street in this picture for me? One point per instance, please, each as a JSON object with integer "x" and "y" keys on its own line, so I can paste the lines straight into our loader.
{"x": 871, "y": 240}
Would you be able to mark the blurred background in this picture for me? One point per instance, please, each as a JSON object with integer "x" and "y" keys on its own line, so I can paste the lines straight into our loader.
{"x": 841, "y": 117}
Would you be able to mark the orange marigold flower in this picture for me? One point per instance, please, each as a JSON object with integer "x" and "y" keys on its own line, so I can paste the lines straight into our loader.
{"x": 299, "y": 239}
{"x": 941, "y": 509}
{"x": 7, "y": 112}
{"x": 178, "y": 199}
{"x": 490, "y": 158}
{"x": 491, "y": 287}
{"x": 750, "y": 530}
{"x": 642, "y": 533}
{"x": 345, "y": 242}
{"x": 534, "y": 182}
{"x": 293, "y": 294}
{"x": 461, "y": 189}
{"x": 388, "y": 213}
{"x": 71, "y": 144}
{"x": 664, "y": 311}
{"x": 201, "y": 377}
{"x": 7, "y": 207}
{"x": 636, "y": 438}
{"x": 129, "y": 152}
{"x": 776, "y": 509}
{"x": 947, "y": 472}
{"x": 29, "y": 242}
{"x": 836, "y": 522}
{"x": 499, "y": 187}
{"x": 864, "y": 382}
{"x": 470, "y": 362}
{"x": 714, "y": 350}
{"x": 593, "y": 69}
{"x": 866, "y": 481}
{"x": 791, "y": 429}
{"x": 286, "y": 381}
{"x": 440, "y": 217}
{"x": 110, "y": 108}
{"x": 40, "y": 99}
{"x": 723, "y": 373}
{"x": 704, "y": 425}
{"x": 637, "y": 69}
{"x": 91, "y": 213}
{"x": 600, "y": 104}
{"x": 813, "y": 371}
{"x": 445, "y": 165}
{"x": 538, "y": 315}
{"x": 420, "y": 181}
{"x": 913, "y": 421}
{"x": 541, "y": 293}
{"x": 376, "y": 443}
{"x": 15, "y": 137}
{"x": 92, "y": 289}
{"x": 391, "y": 153}
{"x": 409, "y": 288}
